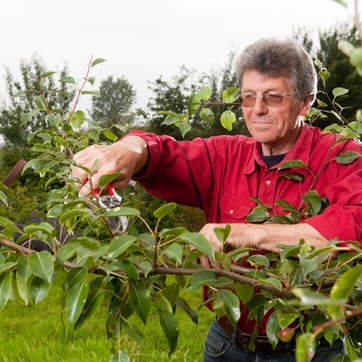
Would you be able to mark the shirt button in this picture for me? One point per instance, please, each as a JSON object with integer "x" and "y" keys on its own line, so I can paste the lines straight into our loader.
{"x": 268, "y": 182}
{"x": 231, "y": 212}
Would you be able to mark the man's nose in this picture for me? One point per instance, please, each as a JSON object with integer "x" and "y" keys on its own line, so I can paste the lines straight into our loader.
{"x": 260, "y": 107}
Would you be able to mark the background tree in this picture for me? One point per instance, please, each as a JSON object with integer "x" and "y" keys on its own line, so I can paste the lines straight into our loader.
{"x": 169, "y": 96}
{"x": 218, "y": 80}
{"x": 16, "y": 119}
{"x": 174, "y": 96}
{"x": 342, "y": 73}
{"x": 113, "y": 104}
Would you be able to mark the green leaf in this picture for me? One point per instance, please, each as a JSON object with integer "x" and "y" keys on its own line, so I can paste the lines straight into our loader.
{"x": 73, "y": 213}
{"x": 346, "y": 47}
{"x": 355, "y": 57}
{"x": 258, "y": 260}
{"x": 293, "y": 176}
{"x": 205, "y": 93}
{"x": 171, "y": 292}
{"x": 67, "y": 79}
{"x": 292, "y": 163}
{"x": 201, "y": 278}
{"x": 41, "y": 264}
{"x": 170, "y": 328}
{"x": 5, "y": 288}
{"x": 106, "y": 179}
{"x": 97, "y": 61}
{"x": 286, "y": 319}
{"x": 78, "y": 119}
{"x": 194, "y": 103}
{"x": 119, "y": 245}
{"x": 231, "y": 304}
{"x": 66, "y": 252}
{"x": 305, "y": 347}
{"x": 9, "y": 225}
{"x": 170, "y": 119}
{"x": 227, "y": 119}
{"x": 38, "y": 290}
{"x": 110, "y": 135}
{"x": 39, "y": 102}
{"x": 184, "y": 306}
{"x": 92, "y": 92}
{"x": 207, "y": 115}
{"x": 222, "y": 233}
{"x": 91, "y": 80}
{"x": 140, "y": 300}
{"x": 3, "y": 198}
{"x": 128, "y": 267}
{"x": 7, "y": 266}
{"x": 75, "y": 301}
{"x": 122, "y": 211}
{"x": 22, "y": 287}
{"x": 200, "y": 242}
{"x": 272, "y": 328}
{"x": 343, "y": 288}
{"x": 272, "y": 281}
{"x": 75, "y": 276}
{"x": 91, "y": 306}
{"x": 348, "y": 157}
{"x": 230, "y": 94}
{"x": 47, "y": 74}
{"x": 339, "y": 91}
{"x": 258, "y": 214}
{"x": 175, "y": 252}
{"x": 308, "y": 297}
{"x": 184, "y": 127}
{"x": 245, "y": 292}
{"x": 24, "y": 267}
{"x": 164, "y": 210}
{"x": 313, "y": 200}
{"x": 43, "y": 227}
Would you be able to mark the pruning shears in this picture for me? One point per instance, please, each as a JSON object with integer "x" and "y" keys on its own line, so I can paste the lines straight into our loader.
{"x": 108, "y": 202}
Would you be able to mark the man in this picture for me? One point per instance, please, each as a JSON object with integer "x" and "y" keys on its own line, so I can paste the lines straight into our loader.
{"x": 222, "y": 174}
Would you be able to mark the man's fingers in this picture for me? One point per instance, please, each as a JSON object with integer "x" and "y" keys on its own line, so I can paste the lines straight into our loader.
{"x": 205, "y": 261}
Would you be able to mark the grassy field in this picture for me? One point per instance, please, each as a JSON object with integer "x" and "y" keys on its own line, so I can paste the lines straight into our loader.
{"x": 36, "y": 334}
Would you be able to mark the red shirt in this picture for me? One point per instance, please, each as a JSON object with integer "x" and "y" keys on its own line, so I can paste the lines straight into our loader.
{"x": 221, "y": 174}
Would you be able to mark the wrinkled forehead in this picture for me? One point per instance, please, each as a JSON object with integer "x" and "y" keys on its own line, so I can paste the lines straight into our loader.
{"x": 254, "y": 81}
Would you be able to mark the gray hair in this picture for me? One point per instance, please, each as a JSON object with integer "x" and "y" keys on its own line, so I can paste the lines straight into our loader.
{"x": 275, "y": 57}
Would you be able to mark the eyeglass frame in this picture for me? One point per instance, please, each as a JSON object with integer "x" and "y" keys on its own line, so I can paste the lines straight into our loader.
{"x": 264, "y": 95}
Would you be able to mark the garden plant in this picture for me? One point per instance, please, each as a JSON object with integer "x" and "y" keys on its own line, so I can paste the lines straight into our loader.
{"x": 143, "y": 270}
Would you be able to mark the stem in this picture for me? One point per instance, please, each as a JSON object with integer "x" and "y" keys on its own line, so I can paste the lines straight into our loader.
{"x": 80, "y": 90}
{"x": 349, "y": 314}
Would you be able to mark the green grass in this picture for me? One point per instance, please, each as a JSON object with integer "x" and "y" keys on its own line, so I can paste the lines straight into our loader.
{"x": 36, "y": 334}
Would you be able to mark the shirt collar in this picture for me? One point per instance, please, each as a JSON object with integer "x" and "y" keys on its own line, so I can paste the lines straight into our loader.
{"x": 300, "y": 151}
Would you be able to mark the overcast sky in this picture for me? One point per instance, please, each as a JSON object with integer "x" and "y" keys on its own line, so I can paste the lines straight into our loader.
{"x": 142, "y": 39}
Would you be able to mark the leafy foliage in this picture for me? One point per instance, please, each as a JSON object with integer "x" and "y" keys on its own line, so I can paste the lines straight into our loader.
{"x": 310, "y": 292}
{"x": 113, "y": 104}
{"x": 18, "y": 119}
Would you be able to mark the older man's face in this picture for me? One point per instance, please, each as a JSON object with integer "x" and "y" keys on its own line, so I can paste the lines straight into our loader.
{"x": 276, "y": 127}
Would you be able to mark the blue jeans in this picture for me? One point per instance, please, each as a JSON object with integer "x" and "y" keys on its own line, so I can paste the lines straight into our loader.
{"x": 221, "y": 347}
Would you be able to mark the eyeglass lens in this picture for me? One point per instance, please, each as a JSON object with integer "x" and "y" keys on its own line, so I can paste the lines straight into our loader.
{"x": 269, "y": 99}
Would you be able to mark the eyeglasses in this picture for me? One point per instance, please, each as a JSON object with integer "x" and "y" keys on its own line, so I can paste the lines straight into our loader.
{"x": 270, "y": 99}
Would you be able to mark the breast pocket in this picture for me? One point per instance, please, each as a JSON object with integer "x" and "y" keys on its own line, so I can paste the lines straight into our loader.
{"x": 234, "y": 209}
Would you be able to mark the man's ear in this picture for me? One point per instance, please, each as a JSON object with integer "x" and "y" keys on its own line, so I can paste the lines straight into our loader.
{"x": 306, "y": 104}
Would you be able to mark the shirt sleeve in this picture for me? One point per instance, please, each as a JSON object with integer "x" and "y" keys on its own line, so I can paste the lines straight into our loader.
{"x": 177, "y": 171}
{"x": 342, "y": 219}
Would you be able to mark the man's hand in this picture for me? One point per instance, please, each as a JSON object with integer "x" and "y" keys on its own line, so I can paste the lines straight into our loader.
{"x": 239, "y": 236}
{"x": 126, "y": 157}
{"x": 262, "y": 236}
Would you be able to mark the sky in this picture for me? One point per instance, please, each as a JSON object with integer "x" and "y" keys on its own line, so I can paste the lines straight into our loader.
{"x": 143, "y": 39}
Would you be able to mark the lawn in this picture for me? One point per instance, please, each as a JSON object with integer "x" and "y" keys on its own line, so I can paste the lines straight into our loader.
{"x": 36, "y": 334}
